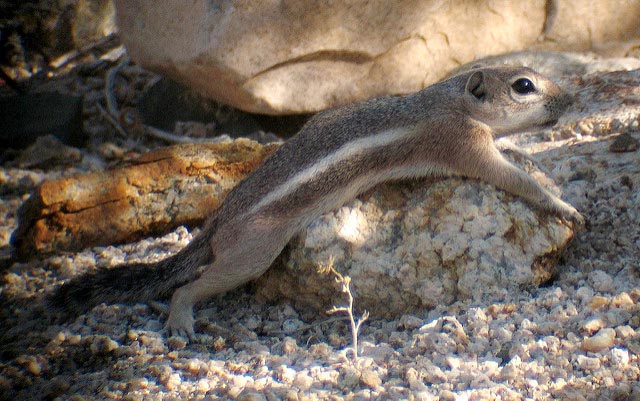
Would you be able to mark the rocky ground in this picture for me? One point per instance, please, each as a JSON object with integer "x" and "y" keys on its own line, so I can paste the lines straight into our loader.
{"x": 577, "y": 338}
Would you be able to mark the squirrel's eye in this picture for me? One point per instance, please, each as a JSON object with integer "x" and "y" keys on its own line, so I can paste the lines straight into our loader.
{"x": 523, "y": 86}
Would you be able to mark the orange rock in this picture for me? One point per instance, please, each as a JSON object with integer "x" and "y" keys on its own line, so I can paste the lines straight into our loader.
{"x": 163, "y": 189}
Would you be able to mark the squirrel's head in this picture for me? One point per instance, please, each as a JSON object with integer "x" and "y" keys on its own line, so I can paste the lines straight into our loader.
{"x": 512, "y": 99}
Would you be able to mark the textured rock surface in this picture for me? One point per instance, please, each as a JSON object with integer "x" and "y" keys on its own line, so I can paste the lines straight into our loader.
{"x": 571, "y": 25}
{"x": 161, "y": 190}
{"x": 556, "y": 65}
{"x": 414, "y": 246}
{"x": 296, "y": 57}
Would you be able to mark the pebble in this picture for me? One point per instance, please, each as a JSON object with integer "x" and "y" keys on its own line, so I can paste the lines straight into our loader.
{"x": 620, "y": 357}
{"x": 446, "y": 395}
{"x": 588, "y": 363}
{"x": 378, "y": 352}
{"x": 623, "y": 300}
{"x": 173, "y": 382}
{"x": 102, "y": 345}
{"x": 176, "y": 343}
{"x": 251, "y": 396}
{"x": 412, "y": 378}
{"x": 137, "y": 383}
{"x": 584, "y": 293}
{"x": 625, "y": 332}
{"x": 303, "y": 381}
{"x": 602, "y": 340}
{"x": 203, "y": 385}
{"x": 31, "y": 363}
{"x": 601, "y": 281}
{"x": 598, "y": 302}
{"x": 370, "y": 378}
{"x": 285, "y": 374}
{"x": 593, "y": 325}
{"x": 410, "y": 322}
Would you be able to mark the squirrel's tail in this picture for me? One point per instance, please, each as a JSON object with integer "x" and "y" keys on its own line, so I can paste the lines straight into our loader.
{"x": 134, "y": 282}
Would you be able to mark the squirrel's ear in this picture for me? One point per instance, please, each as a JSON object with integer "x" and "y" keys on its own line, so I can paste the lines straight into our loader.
{"x": 475, "y": 85}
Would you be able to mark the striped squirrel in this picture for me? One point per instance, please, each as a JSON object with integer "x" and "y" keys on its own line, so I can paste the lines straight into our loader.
{"x": 445, "y": 129}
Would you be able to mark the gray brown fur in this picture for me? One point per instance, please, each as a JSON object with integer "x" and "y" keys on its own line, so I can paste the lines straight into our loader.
{"x": 446, "y": 129}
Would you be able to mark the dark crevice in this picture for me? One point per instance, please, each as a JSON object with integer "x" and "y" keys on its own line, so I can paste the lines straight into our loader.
{"x": 551, "y": 11}
{"x": 346, "y": 56}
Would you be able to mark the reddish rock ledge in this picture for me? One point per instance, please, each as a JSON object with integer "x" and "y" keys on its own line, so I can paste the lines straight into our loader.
{"x": 163, "y": 189}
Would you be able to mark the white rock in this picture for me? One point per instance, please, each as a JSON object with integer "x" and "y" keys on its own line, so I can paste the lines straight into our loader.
{"x": 303, "y": 57}
{"x": 173, "y": 382}
{"x": 602, "y": 340}
{"x": 285, "y": 374}
{"x": 303, "y": 380}
{"x": 620, "y": 357}
{"x": 203, "y": 385}
{"x": 453, "y": 239}
{"x": 588, "y": 363}
{"x": 625, "y": 331}
{"x": 601, "y": 281}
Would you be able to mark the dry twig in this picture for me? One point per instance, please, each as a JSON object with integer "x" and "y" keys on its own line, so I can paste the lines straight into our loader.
{"x": 345, "y": 282}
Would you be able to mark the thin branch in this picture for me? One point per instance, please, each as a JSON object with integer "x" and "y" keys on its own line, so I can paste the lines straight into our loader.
{"x": 66, "y": 58}
{"x": 123, "y": 133}
{"x": 109, "y": 95}
{"x": 345, "y": 282}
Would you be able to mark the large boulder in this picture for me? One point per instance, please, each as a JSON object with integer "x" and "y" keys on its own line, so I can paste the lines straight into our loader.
{"x": 300, "y": 57}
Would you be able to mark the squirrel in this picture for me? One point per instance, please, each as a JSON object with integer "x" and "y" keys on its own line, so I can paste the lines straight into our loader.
{"x": 446, "y": 129}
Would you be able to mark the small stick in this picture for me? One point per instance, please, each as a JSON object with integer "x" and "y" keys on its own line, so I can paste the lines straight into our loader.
{"x": 64, "y": 59}
{"x": 112, "y": 102}
{"x": 345, "y": 282}
{"x": 123, "y": 133}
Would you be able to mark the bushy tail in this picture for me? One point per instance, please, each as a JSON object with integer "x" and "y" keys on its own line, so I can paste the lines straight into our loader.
{"x": 132, "y": 283}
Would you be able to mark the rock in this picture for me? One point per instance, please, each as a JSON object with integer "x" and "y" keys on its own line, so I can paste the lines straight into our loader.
{"x": 93, "y": 20}
{"x": 602, "y": 340}
{"x": 45, "y": 152}
{"x": 298, "y": 57}
{"x": 303, "y": 57}
{"x": 250, "y": 395}
{"x": 556, "y": 65}
{"x": 619, "y": 357}
{"x": 370, "y": 378}
{"x": 601, "y": 281}
{"x": 167, "y": 102}
{"x": 163, "y": 189}
{"x": 624, "y": 143}
{"x": 571, "y": 26}
{"x": 36, "y": 32}
{"x": 411, "y": 246}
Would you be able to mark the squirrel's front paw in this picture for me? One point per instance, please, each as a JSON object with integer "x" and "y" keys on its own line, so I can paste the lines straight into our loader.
{"x": 578, "y": 220}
